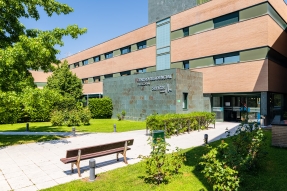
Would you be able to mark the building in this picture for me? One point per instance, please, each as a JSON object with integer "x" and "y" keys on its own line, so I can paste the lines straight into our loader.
{"x": 239, "y": 47}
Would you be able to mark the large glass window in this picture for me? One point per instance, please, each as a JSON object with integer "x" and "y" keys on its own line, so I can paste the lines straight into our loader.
{"x": 126, "y": 50}
{"x": 85, "y": 81}
{"x": 97, "y": 79}
{"x": 97, "y": 58}
{"x": 126, "y": 73}
{"x": 85, "y": 62}
{"x": 141, "y": 45}
{"x": 108, "y": 75}
{"x": 109, "y": 55}
{"x": 76, "y": 65}
{"x": 227, "y": 58}
{"x": 226, "y": 20}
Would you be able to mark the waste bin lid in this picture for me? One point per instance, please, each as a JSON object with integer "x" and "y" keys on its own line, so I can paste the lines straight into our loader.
{"x": 158, "y": 131}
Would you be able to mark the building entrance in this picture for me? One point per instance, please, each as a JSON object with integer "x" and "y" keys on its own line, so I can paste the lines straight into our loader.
{"x": 236, "y": 107}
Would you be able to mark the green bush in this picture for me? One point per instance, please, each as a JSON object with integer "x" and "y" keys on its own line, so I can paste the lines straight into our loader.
{"x": 57, "y": 118}
{"x": 10, "y": 107}
{"x": 101, "y": 108}
{"x": 161, "y": 166}
{"x": 85, "y": 116}
{"x": 74, "y": 117}
{"x": 66, "y": 104}
{"x": 179, "y": 123}
{"x": 223, "y": 165}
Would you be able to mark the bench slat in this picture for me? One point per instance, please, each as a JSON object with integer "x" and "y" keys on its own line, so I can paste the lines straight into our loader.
{"x": 93, "y": 155}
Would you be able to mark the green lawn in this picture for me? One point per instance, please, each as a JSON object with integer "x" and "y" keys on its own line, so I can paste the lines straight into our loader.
{"x": 97, "y": 125}
{"x": 272, "y": 176}
{"x": 6, "y": 140}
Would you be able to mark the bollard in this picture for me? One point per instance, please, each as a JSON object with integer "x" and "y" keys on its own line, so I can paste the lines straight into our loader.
{"x": 27, "y": 126}
{"x": 206, "y": 138}
{"x": 74, "y": 131}
{"x": 92, "y": 165}
{"x": 115, "y": 128}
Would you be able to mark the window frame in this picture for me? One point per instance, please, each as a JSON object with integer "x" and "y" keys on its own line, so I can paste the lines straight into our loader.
{"x": 127, "y": 48}
{"x": 99, "y": 57}
{"x": 109, "y": 55}
{"x": 142, "y": 45}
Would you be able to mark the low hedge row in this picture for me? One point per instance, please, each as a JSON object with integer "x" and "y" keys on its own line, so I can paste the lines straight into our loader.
{"x": 180, "y": 123}
{"x": 101, "y": 108}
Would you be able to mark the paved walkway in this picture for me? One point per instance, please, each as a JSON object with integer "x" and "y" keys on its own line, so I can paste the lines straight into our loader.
{"x": 37, "y": 166}
{"x": 65, "y": 134}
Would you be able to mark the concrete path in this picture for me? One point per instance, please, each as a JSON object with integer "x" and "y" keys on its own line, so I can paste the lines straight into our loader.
{"x": 37, "y": 166}
{"x": 65, "y": 134}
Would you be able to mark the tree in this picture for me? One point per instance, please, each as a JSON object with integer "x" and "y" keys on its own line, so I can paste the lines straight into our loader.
{"x": 22, "y": 49}
{"x": 65, "y": 82}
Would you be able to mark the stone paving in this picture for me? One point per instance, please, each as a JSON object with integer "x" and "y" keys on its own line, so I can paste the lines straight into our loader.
{"x": 37, "y": 166}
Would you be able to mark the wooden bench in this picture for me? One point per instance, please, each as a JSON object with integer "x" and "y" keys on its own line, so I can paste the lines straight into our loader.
{"x": 74, "y": 156}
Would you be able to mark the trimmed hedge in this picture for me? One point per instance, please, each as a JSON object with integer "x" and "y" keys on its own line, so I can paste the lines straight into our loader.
{"x": 101, "y": 108}
{"x": 180, "y": 123}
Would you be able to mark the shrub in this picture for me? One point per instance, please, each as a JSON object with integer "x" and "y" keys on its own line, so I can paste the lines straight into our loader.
{"x": 123, "y": 114}
{"x": 71, "y": 118}
{"x": 161, "y": 166}
{"x": 119, "y": 117}
{"x": 10, "y": 107}
{"x": 85, "y": 116}
{"x": 101, "y": 108}
{"x": 179, "y": 123}
{"x": 57, "y": 118}
{"x": 224, "y": 164}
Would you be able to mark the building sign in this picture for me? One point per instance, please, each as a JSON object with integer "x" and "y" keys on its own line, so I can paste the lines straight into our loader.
{"x": 161, "y": 88}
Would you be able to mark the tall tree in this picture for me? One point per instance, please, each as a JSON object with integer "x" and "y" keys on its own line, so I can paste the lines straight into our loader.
{"x": 65, "y": 82}
{"x": 22, "y": 49}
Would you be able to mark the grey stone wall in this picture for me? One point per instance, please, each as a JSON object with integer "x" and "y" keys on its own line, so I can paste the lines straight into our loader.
{"x": 139, "y": 100}
{"x": 160, "y": 9}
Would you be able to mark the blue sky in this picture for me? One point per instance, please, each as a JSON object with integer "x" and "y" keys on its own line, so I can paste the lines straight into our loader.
{"x": 104, "y": 19}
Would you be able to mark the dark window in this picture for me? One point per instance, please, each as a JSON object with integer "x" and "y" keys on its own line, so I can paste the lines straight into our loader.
{"x": 76, "y": 65}
{"x": 109, "y": 55}
{"x": 185, "y": 31}
{"x": 108, "y": 75}
{"x": 97, "y": 58}
{"x": 143, "y": 70}
{"x": 186, "y": 64}
{"x": 85, "y": 62}
{"x": 126, "y": 73}
{"x": 126, "y": 50}
{"x": 184, "y": 103}
{"x": 226, "y": 20}
{"x": 227, "y": 58}
{"x": 97, "y": 79}
{"x": 141, "y": 45}
{"x": 85, "y": 81}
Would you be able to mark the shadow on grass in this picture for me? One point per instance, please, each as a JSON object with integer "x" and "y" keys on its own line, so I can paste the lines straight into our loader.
{"x": 7, "y": 140}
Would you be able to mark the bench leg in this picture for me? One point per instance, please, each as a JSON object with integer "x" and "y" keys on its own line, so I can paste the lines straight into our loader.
{"x": 72, "y": 165}
{"x": 78, "y": 167}
{"x": 117, "y": 156}
{"x": 125, "y": 157}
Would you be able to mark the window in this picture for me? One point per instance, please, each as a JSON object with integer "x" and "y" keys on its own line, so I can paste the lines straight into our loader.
{"x": 227, "y": 58}
{"x": 76, "y": 65}
{"x": 85, "y": 81}
{"x": 97, "y": 79}
{"x": 186, "y": 64}
{"x": 109, "y": 55}
{"x": 185, "y": 31}
{"x": 126, "y": 50}
{"x": 97, "y": 58}
{"x": 126, "y": 73}
{"x": 141, "y": 45}
{"x": 184, "y": 103}
{"x": 143, "y": 70}
{"x": 108, "y": 75}
{"x": 226, "y": 20}
{"x": 85, "y": 62}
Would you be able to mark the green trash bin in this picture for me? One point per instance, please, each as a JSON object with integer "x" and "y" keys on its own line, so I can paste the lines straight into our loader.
{"x": 157, "y": 134}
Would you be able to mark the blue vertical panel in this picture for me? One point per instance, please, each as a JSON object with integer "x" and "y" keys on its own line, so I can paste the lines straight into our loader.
{"x": 163, "y": 44}
{"x": 163, "y": 62}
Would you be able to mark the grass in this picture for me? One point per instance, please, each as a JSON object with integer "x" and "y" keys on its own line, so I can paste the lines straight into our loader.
{"x": 271, "y": 176}
{"x": 6, "y": 140}
{"x": 97, "y": 125}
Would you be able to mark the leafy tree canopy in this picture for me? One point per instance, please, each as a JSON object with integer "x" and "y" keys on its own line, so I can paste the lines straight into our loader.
{"x": 22, "y": 49}
{"x": 65, "y": 82}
